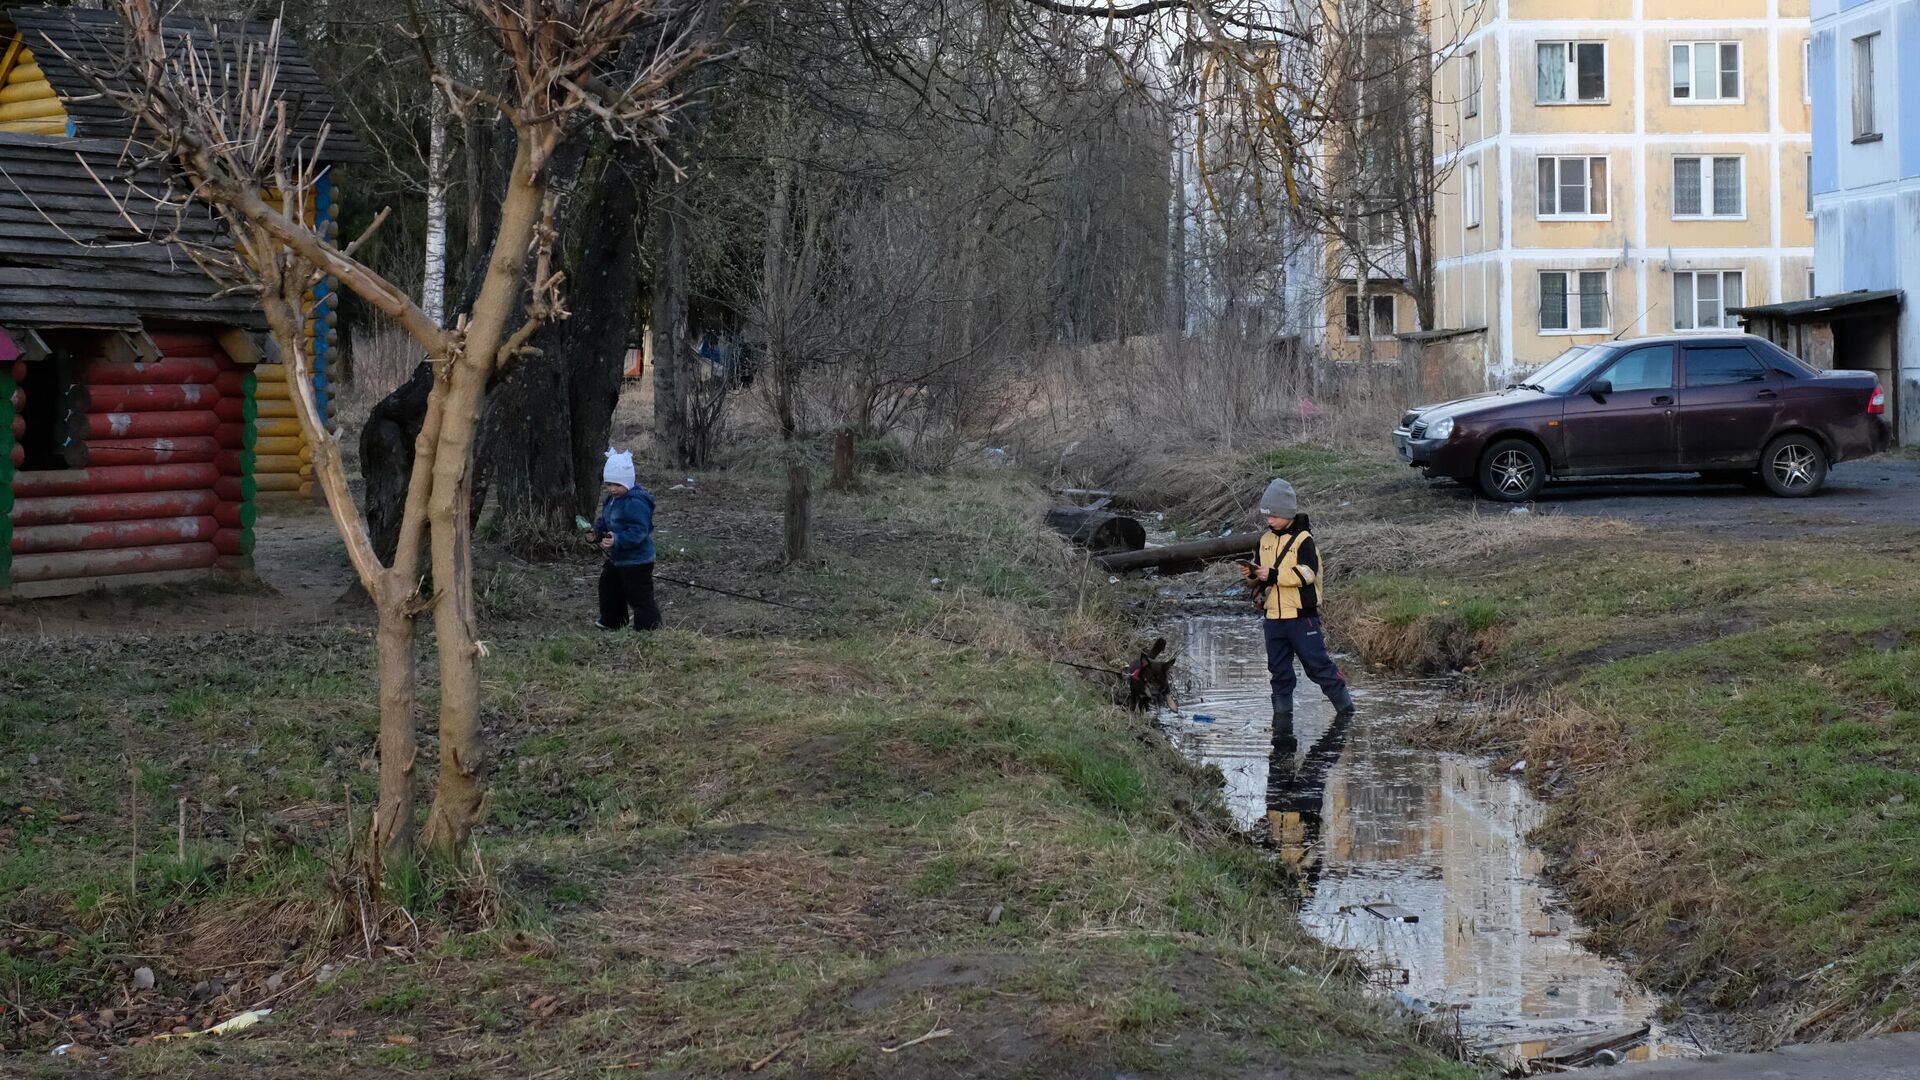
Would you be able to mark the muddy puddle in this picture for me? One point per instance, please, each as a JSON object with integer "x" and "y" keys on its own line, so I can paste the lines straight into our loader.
{"x": 1415, "y": 860}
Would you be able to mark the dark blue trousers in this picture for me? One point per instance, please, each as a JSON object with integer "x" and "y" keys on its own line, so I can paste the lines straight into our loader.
{"x": 1288, "y": 638}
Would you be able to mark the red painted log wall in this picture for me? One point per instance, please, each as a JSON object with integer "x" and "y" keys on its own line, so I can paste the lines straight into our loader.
{"x": 172, "y": 370}
{"x": 116, "y": 480}
{"x": 132, "y": 506}
{"x": 73, "y": 564}
{"x": 125, "y": 425}
{"x": 151, "y": 451}
{"x": 150, "y": 398}
{"x": 107, "y": 535}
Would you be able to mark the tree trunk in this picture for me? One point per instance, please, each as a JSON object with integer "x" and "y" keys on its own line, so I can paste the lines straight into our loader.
{"x": 393, "y": 641}
{"x": 843, "y": 460}
{"x": 799, "y": 513}
{"x": 673, "y": 375}
{"x": 1173, "y": 554}
{"x": 460, "y": 797}
{"x": 433, "y": 282}
{"x": 386, "y": 457}
{"x": 539, "y": 478}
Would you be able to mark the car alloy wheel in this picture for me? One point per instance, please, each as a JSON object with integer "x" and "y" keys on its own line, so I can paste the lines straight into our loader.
{"x": 1795, "y": 466}
{"x": 1513, "y": 472}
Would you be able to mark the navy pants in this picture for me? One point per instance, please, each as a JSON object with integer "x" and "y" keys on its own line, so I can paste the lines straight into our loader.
{"x": 623, "y": 587}
{"x": 1288, "y": 638}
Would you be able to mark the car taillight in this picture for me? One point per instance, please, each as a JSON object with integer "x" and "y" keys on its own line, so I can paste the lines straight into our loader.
{"x": 1877, "y": 404}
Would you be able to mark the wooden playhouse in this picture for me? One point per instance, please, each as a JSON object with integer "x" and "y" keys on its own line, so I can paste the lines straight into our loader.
{"x": 43, "y": 92}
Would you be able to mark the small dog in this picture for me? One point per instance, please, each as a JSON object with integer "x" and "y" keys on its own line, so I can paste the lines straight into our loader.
{"x": 1150, "y": 679}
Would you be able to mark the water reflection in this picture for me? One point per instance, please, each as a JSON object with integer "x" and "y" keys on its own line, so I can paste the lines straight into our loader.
{"x": 1416, "y": 859}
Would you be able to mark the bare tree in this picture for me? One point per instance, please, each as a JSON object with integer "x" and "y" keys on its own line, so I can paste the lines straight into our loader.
{"x": 223, "y": 122}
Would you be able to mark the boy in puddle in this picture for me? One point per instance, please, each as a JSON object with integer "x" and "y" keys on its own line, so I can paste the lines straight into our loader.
{"x": 1285, "y": 576}
{"x": 624, "y": 530}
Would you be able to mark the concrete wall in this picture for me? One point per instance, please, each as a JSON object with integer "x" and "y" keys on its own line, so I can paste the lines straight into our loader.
{"x": 1867, "y": 194}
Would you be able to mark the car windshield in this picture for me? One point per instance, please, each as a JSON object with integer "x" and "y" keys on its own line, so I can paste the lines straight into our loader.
{"x": 1566, "y": 371}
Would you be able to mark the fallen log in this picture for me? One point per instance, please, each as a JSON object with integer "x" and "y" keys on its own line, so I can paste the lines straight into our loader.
{"x": 1097, "y": 530}
{"x": 1197, "y": 551}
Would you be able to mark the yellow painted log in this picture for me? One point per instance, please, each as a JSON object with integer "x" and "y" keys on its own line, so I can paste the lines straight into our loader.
{"x": 276, "y": 410}
{"x": 35, "y": 127}
{"x": 306, "y": 454}
{"x": 270, "y": 373}
{"x": 276, "y": 463}
{"x": 46, "y": 108}
{"x": 265, "y": 482}
{"x": 279, "y": 444}
{"x": 306, "y": 490}
{"x": 279, "y": 428}
{"x": 306, "y": 472}
{"x": 279, "y": 391}
{"x": 27, "y": 71}
{"x": 31, "y": 91}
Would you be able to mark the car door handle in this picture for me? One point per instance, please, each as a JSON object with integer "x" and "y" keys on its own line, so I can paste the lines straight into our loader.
{"x": 1663, "y": 399}
{"x": 1767, "y": 394}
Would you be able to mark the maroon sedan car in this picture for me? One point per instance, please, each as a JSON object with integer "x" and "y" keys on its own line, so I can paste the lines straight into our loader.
{"x": 1729, "y": 407}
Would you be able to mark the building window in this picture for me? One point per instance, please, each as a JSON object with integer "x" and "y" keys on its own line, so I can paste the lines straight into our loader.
{"x": 1371, "y": 229}
{"x": 1572, "y": 187}
{"x": 1382, "y": 305}
{"x": 1568, "y": 72}
{"x": 1706, "y": 71}
{"x": 1709, "y": 187}
{"x": 1865, "y": 127}
{"x": 1701, "y": 299}
{"x": 1470, "y": 195}
{"x": 1470, "y": 72}
{"x": 1573, "y": 301}
{"x": 1811, "y": 291}
{"x": 1806, "y": 71}
{"x": 1808, "y": 174}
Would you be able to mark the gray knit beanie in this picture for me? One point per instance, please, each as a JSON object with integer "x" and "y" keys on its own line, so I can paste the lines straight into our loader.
{"x": 1279, "y": 501}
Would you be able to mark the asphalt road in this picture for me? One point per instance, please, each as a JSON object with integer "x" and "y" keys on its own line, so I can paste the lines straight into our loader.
{"x": 1890, "y": 1057}
{"x": 1877, "y": 492}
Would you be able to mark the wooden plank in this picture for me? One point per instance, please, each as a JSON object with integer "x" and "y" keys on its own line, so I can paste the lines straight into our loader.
{"x": 1580, "y": 1049}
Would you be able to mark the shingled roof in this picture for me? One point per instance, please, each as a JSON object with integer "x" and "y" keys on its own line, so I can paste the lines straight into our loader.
{"x": 96, "y": 40}
{"x": 75, "y": 254}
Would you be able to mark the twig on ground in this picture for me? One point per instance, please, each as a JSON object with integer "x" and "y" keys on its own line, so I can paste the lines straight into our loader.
{"x": 936, "y": 1033}
{"x": 776, "y": 1052}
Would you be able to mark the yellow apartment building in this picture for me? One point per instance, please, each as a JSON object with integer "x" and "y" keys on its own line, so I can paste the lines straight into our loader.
{"x": 1617, "y": 168}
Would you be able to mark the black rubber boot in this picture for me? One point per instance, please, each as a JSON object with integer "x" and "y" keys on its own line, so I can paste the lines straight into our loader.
{"x": 1342, "y": 703}
{"x": 1283, "y": 740}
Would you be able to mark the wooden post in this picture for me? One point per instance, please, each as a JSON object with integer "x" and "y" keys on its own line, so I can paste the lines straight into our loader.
{"x": 842, "y": 460}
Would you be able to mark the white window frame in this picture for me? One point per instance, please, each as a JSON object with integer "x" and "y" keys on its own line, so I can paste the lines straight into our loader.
{"x": 1693, "y": 96}
{"x": 1806, "y": 72}
{"x": 1470, "y": 74}
{"x": 1586, "y": 171}
{"x": 1350, "y": 314}
{"x": 1572, "y": 281}
{"x": 1866, "y": 119}
{"x": 1470, "y": 195}
{"x": 1572, "y": 74}
{"x": 1693, "y": 294}
{"x": 1709, "y": 167}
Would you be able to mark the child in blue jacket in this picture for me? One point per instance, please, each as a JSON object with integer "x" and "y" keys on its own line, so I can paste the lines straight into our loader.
{"x": 624, "y": 530}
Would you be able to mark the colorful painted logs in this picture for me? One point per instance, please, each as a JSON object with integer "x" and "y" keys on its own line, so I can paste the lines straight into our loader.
{"x": 167, "y": 484}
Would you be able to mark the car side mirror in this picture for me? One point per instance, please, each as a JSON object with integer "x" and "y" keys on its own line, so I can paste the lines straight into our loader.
{"x": 1600, "y": 390}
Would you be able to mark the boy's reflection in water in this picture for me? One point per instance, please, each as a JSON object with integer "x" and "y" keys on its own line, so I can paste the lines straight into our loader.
{"x": 1296, "y": 796}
